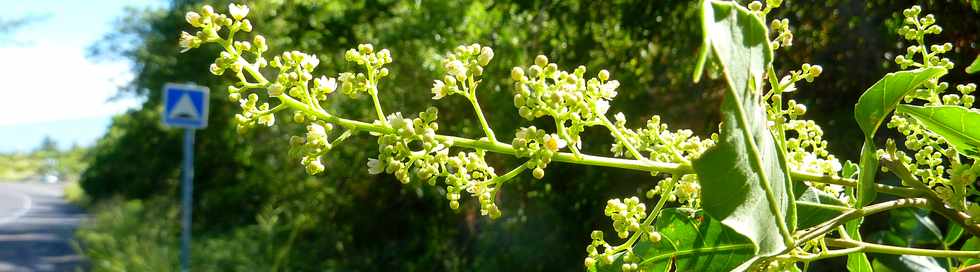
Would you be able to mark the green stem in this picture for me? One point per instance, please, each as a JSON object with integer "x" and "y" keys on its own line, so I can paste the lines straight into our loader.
{"x": 585, "y": 159}
{"x": 896, "y": 250}
{"x": 650, "y": 217}
{"x": 563, "y": 133}
{"x": 869, "y": 169}
{"x": 500, "y": 180}
{"x": 852, "y": 214}
{"x": 483, "y": 120}
{"x": 781, "y": 143}
{"x": 619, "y": 136}
{"x": 377, "y": 105}
{"x": 938, "y": 205}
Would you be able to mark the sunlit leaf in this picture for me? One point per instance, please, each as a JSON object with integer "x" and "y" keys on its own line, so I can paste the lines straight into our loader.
{"x": 975, "y": 67}
{"x": 957, "y": 125}
{"x": 736, "y": 171}
{"x": 879, "y": 100}
{"x": 692, "y": 242}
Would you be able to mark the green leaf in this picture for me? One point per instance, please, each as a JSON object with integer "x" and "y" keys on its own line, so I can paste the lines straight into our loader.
{"x": 971, "y": 244}
{"x": 815, "y": 207}
{"x": 850, "y": 170}
{"x": 692, "y": 242}
{"x": 957, "y": 125}
{"x": 975, "y": 67}
{"x": 906, "y": 263}
{"x": 856, "y": 262}
{"x": 736, "y": 173}
{"x": 953, "y": 234}
{"x": 915, "y": 226}
{"x": 879, "y": 100}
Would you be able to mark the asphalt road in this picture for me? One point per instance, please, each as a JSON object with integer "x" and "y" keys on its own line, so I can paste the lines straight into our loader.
{"x": 36, "y": 228}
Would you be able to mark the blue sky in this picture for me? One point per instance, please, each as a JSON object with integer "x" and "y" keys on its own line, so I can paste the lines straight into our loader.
{"x": 50, "y": 86}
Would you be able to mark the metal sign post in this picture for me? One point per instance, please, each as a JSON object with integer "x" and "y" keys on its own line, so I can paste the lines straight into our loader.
{"x": 187, "y": 186}
{"x": 186, "y": 106}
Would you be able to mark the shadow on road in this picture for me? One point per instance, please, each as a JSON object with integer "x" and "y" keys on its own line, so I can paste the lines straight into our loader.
{"x": 40, "y": 239}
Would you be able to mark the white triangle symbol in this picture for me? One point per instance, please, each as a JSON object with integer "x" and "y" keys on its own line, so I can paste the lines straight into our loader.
{"x": 184, "y": 109}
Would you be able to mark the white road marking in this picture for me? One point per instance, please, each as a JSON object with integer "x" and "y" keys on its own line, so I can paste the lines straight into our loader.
{"x": 23, "y": 209}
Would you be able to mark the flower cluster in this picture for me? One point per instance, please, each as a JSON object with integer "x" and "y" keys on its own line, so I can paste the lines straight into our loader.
{"x": 659, "y": 143}
{"x": 933, "y": 161}
{"x": 210, "y": 23}
{"x": 414, "y": 151}
{"x": 312, "y": 147}
{"x": 626, "y": 215}
{"x": 572, "y": 101}
{"x": 806, "y": 151}
{"x": 922, "y": 55}
{"x": 396, "y": 154}
{"x": 686, "y": 190}
{"x": 538, "y": 146}
{"x": 373, "y": 64}
{"x": 784, "y": 38}
{"x": 463, "y": 67}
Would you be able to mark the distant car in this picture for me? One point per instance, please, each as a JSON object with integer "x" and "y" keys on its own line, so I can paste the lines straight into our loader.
{"x": 49, "y": 178}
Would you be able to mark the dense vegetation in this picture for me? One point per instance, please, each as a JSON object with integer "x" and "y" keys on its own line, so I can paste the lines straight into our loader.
{"x": 248, "y": 191}
{"x": 46, "y": 160}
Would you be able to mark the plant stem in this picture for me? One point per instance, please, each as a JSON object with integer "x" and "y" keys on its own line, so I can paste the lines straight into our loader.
{"x": 585, "y": 159}
{"x": 781, "y": 144}
{"x": 886, "y": 249}
{"x": 619, "y": 136}
{"x": 500, "y": 180}
{"x": 377, "y": 105}
{"x": 650, "y": 217}
{"x": 825, "y": 227}
{"x": 938, "y": 205}
{"x": 483, "y": 120}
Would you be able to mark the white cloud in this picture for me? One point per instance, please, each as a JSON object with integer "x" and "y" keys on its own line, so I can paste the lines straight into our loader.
{"x": 49, "y": 83}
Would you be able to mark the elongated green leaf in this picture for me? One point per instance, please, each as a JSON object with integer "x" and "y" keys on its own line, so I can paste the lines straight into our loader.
{"x": 858, "y": 261}
{"x": 975, "y": 67}
{"x": 879, "y": 100}
{"x": 815, "y": 207}
{"x": 959, "y": 126}
{"x": 736, "y": 173}
{"x": 692, "y": 242}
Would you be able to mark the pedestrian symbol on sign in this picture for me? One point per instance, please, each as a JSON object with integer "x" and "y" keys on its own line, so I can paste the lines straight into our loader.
{"x": 185, "y": 106}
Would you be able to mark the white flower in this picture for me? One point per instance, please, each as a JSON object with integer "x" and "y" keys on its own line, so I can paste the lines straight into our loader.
{"x": 608, "y": 89}
{"x": 554, "y": 143}
{"x": 237, "y": 11}
{"x": 438, "y": 89}
{"x": 601, "y": 106}
{"x": 188, "y": 41}
{"x": 193, "y": 18}
{"x": 327, "y": 85}
{"x": 375, "y": 166}
{"x": 456, "y": 68}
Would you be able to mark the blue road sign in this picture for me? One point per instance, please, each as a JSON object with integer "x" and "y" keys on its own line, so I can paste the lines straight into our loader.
{"x": 185, "y": 106}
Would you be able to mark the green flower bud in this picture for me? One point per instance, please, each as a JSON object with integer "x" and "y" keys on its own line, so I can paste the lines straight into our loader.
{"x": 541, "y": 61}
{"x": 538, "y": 173}
{"x": 246, "y": 26}
{"x": 193, "y": 18}
{"x": 517, "y": 74}
{"x": 603, "y": 75}
{"x": 486, "y": 54}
